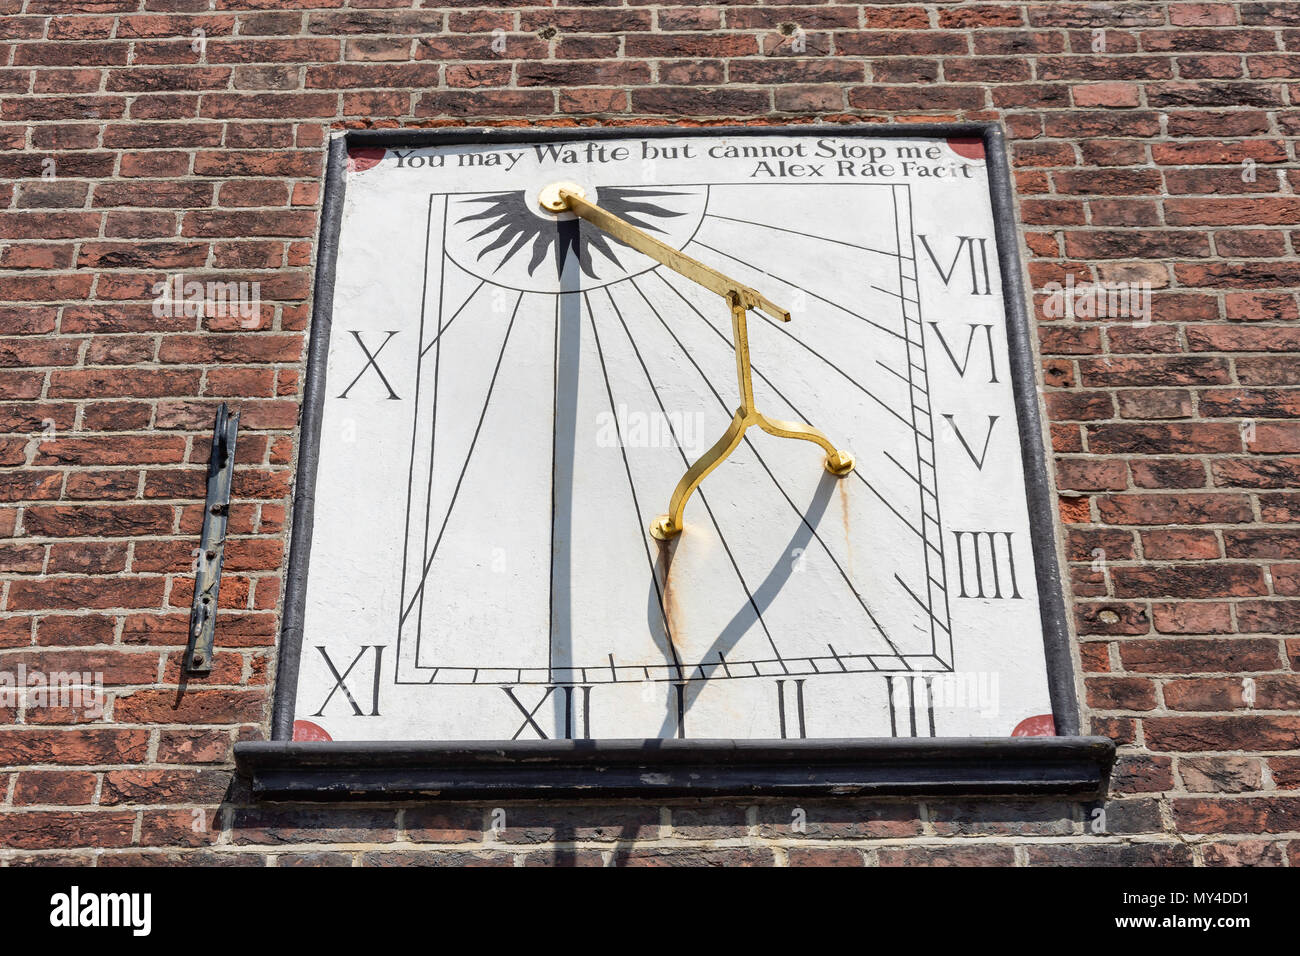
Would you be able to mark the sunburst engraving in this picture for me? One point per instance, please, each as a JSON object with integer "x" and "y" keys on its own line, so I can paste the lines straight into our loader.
{"x": 515, "y": 225}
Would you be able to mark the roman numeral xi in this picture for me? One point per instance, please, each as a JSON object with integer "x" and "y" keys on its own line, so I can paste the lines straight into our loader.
{"x": 341, "y": 681}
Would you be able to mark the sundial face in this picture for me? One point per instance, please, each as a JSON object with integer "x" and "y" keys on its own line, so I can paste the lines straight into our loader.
{"x": 511, "y": 396}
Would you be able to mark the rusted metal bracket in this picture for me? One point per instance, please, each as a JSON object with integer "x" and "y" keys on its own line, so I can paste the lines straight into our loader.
{"x": 212, "y": 544}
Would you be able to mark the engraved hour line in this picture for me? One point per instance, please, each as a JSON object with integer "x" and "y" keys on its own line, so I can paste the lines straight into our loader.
{"x": 415, "y": 417}
{"x": 636, "y": 504}
{"x": 915, "y": 479}
{"x": 681, "y": 451}
{"x": 806, "y": 235}
{"x": 892, "y": 371}
{"x": 792, "y": 285}
{"x": 433, "y": 341}
{"x": 565, "y": 397}
{"x": 726, "y": 668}
{"x": 797, "y": 341}
{"x": 897, "y": 295}
{"x": 759, "y": 457}
{"x": 858, "y": 385}
{"x": 424, "y": 575}
{"x": 928, "y": 610}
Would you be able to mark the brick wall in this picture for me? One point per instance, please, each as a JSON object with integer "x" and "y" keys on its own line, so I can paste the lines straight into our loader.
{"x": 1152, "y": 142}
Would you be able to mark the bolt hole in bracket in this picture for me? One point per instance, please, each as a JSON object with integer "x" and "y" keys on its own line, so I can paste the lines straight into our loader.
{"x": 212, "y": 544}
{"x": 741, "y": 299}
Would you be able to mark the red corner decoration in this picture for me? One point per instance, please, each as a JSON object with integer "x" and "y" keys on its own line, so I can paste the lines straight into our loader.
{"x": 967, "y": 147}
{"x": 361, "y": 158}
{"x": 1041, "y": 726}
{"x": 306, "y": 730}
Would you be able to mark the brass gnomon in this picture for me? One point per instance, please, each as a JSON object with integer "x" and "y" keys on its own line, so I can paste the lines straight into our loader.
{"x": 569, "y": 197}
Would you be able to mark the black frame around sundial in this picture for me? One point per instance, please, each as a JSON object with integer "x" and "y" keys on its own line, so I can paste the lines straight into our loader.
{"x": 1066, "y": 764}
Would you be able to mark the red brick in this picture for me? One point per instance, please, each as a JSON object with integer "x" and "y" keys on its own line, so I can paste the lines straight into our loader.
{"x": 1260, "y": 306}
{"x": 1167, "y": 473}
{"x": 75, "y": 593}
{"x": 1120, "y": 693}
{"x": 1240, "y": 211}
{"x": 1180, "y": 545}
{"x": 1112, "y": 617}
{"x": 1190, "y": 581}
{"x": 55, "y": 788}
{"x": 1268, "y": 370}
{"x": 1164, "y": 439}
{"x": 824, "y": 856}
{"x": 1088, "y": 474}
{"x": 1269, "y": 617}
{"x": 1242, "y": 815}
{"x": 1181, "y": 370}
{"x": 1161, "y": 403}
{"x": 186, "y": 787}
{"x": 73, "y": 747}
{"x": 1106, "y": 94}
{"x": 1237, "y": 338}
{"x": 37, "y": 829}
{"x": 1175, "y": 509}
{"x": 955, "y": 855}
{"x": 1255, "y": 473}
{"x": 193, "y": 746}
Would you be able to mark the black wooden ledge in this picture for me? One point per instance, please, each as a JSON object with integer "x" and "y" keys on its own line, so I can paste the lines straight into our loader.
{"x": 394, "y": 770}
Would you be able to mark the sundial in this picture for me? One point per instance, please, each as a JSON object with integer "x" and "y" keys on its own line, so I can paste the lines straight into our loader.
{"x": 672, "y": 435}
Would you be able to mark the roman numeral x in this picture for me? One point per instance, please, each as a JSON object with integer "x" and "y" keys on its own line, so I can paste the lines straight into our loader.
{"x": 372, "y": 363}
